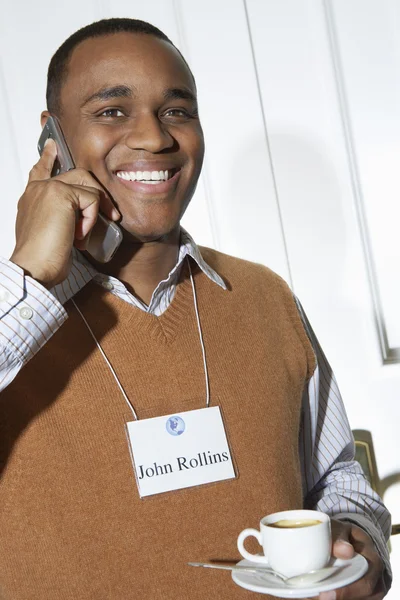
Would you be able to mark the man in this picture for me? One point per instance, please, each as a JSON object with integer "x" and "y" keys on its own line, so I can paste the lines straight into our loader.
{"x": 161, "y": 329}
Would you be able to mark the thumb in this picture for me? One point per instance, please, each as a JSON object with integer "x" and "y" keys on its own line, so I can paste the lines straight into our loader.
{"x": 43, "y": 168}
{"x": 341, "y": 540}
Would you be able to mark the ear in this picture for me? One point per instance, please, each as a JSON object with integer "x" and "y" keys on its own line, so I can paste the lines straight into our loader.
{"x": 43, "y": 117}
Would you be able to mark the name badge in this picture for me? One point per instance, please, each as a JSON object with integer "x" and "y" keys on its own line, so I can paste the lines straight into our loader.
{"x": 179, "y": 451}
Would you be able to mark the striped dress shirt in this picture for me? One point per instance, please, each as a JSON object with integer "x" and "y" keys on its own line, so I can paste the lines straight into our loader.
{"x": 332, "y": 481}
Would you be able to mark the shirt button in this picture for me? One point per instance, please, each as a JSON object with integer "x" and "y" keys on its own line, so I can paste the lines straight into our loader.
{"x": 107, "y": 285}
{"x": 26, "y": 313}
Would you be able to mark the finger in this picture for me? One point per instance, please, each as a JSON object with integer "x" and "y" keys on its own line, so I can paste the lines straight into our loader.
{"x": 43, "y": 168}
{"x": 80, "y": 244}
{"x": 364, "y": 588}
{"x": 368, "y": 587}
{"x": 83, "y": 227}
{"x": 83, "y": 200}
{"x": 341, "y": 540}
{"x": 356, "y": 591}
{"x": 88, "y": 188}
{"x": 88, "y": 210}
{"x": 81, "y": 177}
{"x": 99, "y": 193}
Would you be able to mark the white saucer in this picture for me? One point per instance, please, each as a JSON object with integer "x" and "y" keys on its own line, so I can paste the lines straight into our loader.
{"x": 352, "y": 570}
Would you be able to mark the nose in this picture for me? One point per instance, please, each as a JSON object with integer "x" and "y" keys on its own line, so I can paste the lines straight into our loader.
{"x": 146, "y": 132}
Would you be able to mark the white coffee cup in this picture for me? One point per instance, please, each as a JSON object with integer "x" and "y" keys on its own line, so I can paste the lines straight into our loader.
{"x": 294, "y": 541}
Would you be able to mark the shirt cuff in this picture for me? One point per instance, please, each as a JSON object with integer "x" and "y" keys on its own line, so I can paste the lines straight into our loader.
{"x": 375, "y": 533}
{"x": 29, "y": 313}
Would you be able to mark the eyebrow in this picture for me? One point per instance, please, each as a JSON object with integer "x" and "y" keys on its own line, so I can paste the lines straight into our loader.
{"x": 123, "y": 91}
{"x": 179, "y": 94}
{"x": 107, "y": 93}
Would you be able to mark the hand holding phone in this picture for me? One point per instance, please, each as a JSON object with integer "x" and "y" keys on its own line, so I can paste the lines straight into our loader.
{"x": 53, "y": 214}
{"x": 105, "y": 237}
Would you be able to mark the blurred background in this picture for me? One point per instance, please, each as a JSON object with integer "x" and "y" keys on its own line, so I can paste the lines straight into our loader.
{"x": 300, "y": 104}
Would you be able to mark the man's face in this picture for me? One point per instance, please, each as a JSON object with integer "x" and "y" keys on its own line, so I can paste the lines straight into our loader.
{"x": 129, "y": 115}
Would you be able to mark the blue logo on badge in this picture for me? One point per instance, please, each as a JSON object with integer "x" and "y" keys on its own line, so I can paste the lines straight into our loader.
{"x": 175, "y": 425}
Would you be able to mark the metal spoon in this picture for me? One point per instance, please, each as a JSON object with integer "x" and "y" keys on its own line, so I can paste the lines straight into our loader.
{"x": 296, "y": 581}
{"x": 235, "y": 567}
{"x": 311, "y": 576}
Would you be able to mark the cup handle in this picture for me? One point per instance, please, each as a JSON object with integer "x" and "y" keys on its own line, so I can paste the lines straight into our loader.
{"x": 240, "y": 544}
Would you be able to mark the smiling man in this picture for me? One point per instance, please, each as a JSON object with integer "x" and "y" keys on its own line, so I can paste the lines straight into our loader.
{"x": 154, "y": 406}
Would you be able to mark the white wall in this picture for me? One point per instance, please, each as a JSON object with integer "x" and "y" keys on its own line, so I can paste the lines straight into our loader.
{"x": 299, "y": 101}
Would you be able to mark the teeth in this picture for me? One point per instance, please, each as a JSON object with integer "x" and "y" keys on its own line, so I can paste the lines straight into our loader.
{"x": 145, "y": 176}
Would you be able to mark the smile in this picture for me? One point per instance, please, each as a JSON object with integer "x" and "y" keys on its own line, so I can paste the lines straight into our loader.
{"x": 147, "y": 177}
{"x": 150, "y": 182}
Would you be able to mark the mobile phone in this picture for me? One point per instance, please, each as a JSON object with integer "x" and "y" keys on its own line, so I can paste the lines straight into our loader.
{"x": 106, "y": 236}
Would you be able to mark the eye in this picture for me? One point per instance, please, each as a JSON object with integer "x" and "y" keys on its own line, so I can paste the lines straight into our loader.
{"x": 112, "y": 112}
{"x": 178, "y": 114}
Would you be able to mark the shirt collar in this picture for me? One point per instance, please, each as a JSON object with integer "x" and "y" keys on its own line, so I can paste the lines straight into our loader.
{"x": 82, "y": 272}
{"x": 188, "y": 247}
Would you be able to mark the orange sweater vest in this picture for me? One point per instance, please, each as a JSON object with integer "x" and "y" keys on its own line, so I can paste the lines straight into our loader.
{"x": 72, "y": 524}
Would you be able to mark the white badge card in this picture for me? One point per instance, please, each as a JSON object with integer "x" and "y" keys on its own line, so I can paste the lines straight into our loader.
{"x": 179, "y": 451}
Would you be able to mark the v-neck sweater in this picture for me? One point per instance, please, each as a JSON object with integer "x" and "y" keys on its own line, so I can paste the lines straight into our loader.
{"x": 72, "y": 522}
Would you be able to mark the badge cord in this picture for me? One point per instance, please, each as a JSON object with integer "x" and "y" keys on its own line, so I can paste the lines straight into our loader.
{"x": 129, "y": 403}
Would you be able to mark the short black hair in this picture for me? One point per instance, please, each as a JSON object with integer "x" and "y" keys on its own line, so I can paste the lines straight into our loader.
{"x": 58, "y": 67}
